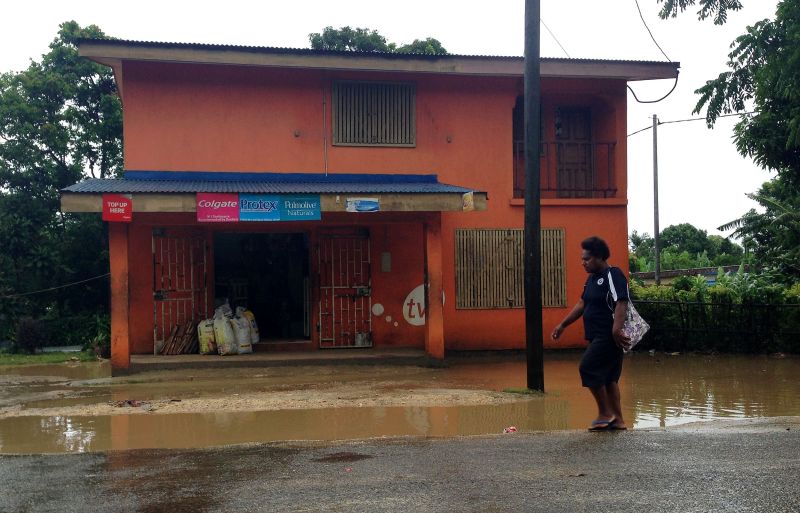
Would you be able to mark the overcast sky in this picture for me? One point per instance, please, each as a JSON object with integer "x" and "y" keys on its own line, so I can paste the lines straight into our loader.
{"x": 702, "y": 179}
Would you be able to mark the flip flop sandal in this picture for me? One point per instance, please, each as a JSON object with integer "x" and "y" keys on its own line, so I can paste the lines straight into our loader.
{"x": 615, "y": 427}
{"x": 601, "y": 425}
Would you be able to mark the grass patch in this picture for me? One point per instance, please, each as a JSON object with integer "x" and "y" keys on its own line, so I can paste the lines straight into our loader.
{"x": 523, "y": 391}
{"x": 44, "y": 358}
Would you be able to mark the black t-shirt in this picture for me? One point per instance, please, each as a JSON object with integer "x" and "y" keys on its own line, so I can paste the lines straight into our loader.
{"x": 599, "y": 297}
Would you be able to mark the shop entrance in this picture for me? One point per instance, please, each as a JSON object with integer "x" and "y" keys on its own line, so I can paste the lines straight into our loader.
{"x": 267, "y": 273}
{"x": 345, "y": 287}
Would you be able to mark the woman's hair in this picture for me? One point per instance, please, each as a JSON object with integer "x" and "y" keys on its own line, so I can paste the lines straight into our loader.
{"x": 596, "y": 247}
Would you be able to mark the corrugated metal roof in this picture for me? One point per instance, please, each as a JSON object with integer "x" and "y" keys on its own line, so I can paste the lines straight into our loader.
{"x": 264, "y": 183}
{"x": 354, "y": 54}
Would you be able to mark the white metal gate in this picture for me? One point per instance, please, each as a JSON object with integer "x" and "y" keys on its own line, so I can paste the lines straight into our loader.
{"x": 180, "y": 294}
{"x": 345, "y": 305}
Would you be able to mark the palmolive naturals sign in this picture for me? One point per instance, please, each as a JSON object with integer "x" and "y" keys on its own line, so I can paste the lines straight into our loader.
{"x": 215, "y": 207}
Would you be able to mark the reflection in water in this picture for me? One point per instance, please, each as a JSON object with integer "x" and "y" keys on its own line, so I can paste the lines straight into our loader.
{"x": 657, "y": 391}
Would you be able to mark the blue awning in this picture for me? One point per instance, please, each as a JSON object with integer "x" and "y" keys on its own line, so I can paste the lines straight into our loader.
{"x": 183, "y": 182}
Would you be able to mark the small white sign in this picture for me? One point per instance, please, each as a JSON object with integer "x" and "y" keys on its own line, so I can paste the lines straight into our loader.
{"x": 363, "y": 204}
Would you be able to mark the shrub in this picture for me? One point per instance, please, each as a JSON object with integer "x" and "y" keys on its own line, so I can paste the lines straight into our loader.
{"x": 742, "y": 312}
{"x": 100, "y": 343}
{"x": 30, "y": 336}
{"x": 792, "y": 294}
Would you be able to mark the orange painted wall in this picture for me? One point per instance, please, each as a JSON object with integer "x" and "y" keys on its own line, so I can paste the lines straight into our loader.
{"x": 215, "y": 118}
{"x": 401, "y": 237}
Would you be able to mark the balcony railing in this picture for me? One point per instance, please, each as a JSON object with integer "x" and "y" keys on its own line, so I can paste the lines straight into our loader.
{"x": 570, "y": 170}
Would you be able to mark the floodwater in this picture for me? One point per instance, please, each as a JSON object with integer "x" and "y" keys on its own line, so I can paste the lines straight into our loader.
{"x": 657, "y": 391}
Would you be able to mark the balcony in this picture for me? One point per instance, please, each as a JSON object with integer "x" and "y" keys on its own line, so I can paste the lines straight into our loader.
{"x": 570, "y": 170}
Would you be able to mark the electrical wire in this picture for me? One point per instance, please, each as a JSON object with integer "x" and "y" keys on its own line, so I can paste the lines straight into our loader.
{"x": 54, "y": 288}
{"x": 674, "y": 85}
{"x": 648, "y": 31}
{"x": 554, "y": 37}
{"x": 662, "y": 52}
{"x": 692, "y": 119}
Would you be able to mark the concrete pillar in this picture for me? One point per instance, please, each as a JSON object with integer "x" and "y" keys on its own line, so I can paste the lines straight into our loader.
{"x": 120, "y": 296}
{"x": 434, "y": 309}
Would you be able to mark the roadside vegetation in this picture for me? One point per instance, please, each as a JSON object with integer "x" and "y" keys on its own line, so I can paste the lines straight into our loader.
{"x": 740, "y": 312}
{"x": 683, "y": 246}
{"x": 45, "y": 358}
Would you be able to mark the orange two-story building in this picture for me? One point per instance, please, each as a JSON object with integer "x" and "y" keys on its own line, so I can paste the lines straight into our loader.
{"x": 352, "y": 199}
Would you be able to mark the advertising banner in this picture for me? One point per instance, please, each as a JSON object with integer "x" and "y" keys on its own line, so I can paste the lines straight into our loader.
{"x": 117, "y": 208}
{"x": 363, "y": 205}
{"x": 300, "y": 208}
{"x": 215, "y": 207}
{"x": 259, "y": 207}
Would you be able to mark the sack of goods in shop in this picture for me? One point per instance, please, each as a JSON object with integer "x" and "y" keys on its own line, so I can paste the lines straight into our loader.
{"x": 241, "y": 311}
{"x": 205, "y": 337}
{"x": 223, "y": 333}
{"x": 241, "y": 329}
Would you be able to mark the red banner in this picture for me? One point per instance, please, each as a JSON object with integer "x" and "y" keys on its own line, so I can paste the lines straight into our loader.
{"x": 117, "y": 208}
{"x": 217, "y": 208}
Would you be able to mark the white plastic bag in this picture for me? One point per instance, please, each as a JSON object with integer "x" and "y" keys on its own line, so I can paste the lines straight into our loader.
{"x": 241, "y": 329}
{"x": 241, "y": 311}
{"x": 223, "y": 333}
{"x": 205, "y": 337}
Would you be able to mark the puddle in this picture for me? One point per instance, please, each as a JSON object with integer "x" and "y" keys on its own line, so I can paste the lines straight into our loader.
{"x": 338, "y": 457}
{"x": 656, "y": 391}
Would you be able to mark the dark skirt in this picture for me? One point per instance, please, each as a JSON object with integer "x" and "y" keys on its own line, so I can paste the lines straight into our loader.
{"x": 601, "y": 363}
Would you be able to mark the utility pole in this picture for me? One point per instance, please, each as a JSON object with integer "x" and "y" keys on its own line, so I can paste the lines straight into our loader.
{"x": 655, "y": 201}
{"x": 534, "y": 343}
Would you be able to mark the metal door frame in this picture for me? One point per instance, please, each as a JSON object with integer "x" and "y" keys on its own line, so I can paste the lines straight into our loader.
{"x": 350, "y": 289}
{"x": 198, "y": 303}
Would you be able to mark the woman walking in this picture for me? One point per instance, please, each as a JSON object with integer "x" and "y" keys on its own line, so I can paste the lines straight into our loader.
{"x": 603, "y": 306}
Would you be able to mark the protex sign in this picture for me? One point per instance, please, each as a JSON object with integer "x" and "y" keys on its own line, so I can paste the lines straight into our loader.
{"x": 259, "y": 207}
{"x": 217, "y": 208}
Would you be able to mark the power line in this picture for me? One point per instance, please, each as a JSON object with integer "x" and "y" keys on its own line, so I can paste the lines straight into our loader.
{"x": 662, "y": 52}
{"x": 691, "y": 119}
{"x": 674, "y": 85}
{"x": 54, "y": 288}
{"x": 648, "y": 31}
{"x": 555, "y": 38}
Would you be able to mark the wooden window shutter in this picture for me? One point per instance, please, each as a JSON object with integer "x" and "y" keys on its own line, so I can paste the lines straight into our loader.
{"x": 374, "y": 114}
{"x": 490, "y": 268}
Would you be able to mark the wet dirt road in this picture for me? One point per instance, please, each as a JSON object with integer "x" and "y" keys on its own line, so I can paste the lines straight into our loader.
{"x": 723, "y": 466}
{"x": 79, "y": 408}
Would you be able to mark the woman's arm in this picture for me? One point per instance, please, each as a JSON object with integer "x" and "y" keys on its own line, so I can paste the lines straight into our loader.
{"x": 571, "y": 317}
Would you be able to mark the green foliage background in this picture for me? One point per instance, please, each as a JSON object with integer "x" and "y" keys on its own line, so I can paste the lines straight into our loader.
{"x": 60, "y": 122}
{"x": 683, "y": 247}
{"x": 350, "y": 39}
{"x": 740, "y": 312}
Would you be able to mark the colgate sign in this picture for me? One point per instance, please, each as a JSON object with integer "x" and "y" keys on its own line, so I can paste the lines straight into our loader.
{"x": 217, "y": 208}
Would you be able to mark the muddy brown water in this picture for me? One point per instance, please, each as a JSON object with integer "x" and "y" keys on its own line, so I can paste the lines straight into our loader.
{"x": 657, "y": 391}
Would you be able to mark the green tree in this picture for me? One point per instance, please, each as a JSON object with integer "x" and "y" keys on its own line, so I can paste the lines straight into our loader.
{"x": 774, "y": 234}
{"x": 683, "y": 246}
{"x": 427, "y": 46}
{"x": 60, "y": 121}
{"x": 763, "y": 76}
{"x": 350, "y": 40}
{"x": 715, "y": 9}
{"x": 367, "y": 40}
{"x": 685, "y": 238}
{"x": 764, "y": 71}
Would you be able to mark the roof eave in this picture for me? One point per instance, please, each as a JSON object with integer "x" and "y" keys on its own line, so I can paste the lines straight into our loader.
{"x": 113, "y": 53}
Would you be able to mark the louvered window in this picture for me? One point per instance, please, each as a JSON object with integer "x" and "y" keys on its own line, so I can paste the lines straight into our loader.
{"x": 490, "y": 271}
{"x": 374, "y": 114}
